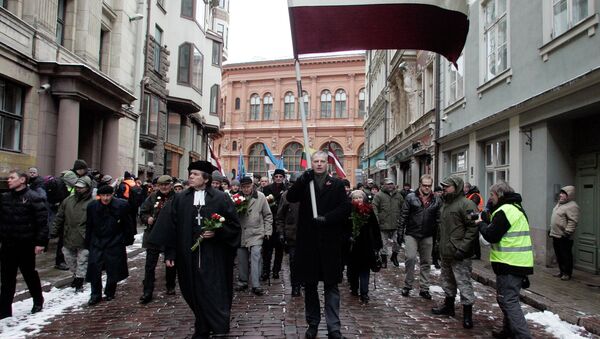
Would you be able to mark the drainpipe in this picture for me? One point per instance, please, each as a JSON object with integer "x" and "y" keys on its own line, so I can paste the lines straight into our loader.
{"x": 386, "y": 91}
{"x": 139, "y": 53}
{"x": 368, "y": 152}
{"x": 436, "y": 144}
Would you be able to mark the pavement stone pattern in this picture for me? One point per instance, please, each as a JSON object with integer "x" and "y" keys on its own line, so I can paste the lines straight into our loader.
{"x": 278, "y": 315}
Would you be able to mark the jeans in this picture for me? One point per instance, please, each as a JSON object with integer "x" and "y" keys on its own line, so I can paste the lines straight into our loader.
{"x": 507, "y": 295}
{"x": 255, "y": 262}
{"x": 15, "y": 257}
{"x": 563, "y": 248}
{"x": 312, "y": 307}
{"x": 424, "y": 246}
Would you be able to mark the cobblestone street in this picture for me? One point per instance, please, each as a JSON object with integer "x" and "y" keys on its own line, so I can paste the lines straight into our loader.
{"x": 277, "y": 314}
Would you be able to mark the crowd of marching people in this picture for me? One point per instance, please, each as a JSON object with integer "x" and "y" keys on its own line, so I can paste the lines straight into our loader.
{"x": 207, "y": 224}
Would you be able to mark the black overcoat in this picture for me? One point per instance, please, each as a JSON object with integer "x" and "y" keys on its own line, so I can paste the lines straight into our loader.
{"x": 318, "y": 247}
{"x": 365, "y": 245}
{"x": 107, "y": 232}
{"x": 206, "y": 283}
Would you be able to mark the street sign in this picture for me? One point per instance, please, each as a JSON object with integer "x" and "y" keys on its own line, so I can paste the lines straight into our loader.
{"x": 381, "y": 164}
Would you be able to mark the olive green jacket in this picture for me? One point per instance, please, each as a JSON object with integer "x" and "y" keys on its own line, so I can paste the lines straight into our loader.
{"x": 387, "y": 207}
{"x": 71, "y": 220}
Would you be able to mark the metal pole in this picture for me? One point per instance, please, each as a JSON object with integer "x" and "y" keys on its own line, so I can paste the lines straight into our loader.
{"x": 313, "y": 198}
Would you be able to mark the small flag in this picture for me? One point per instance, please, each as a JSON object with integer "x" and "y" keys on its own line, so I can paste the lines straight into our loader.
{"x": 333, "y": 159}
{"x": 303, "y": 161}
{"x": 270, "y": 159}
{"x": 215, "y": 161}
{"x": 241, "y": 169}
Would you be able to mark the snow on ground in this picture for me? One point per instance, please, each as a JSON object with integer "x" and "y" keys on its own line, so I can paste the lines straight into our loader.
{"x": 56, "y": 301}
{"x": 553, "y": 325}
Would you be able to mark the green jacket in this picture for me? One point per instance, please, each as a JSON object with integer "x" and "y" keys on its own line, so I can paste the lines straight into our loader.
{"x": 387, "y": 207}
{"x": 457, "y": 229}
{"x": 71, "y": 220}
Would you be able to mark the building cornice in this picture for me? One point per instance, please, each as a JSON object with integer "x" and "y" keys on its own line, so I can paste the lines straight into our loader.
{"x": 287, "y": 63}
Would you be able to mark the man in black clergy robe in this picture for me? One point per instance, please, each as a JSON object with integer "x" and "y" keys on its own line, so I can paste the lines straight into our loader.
{"x": 206, "y": 274}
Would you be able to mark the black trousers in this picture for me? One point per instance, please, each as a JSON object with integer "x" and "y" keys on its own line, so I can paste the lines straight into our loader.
{"x": 563, "y": 248}
{"x": 152, "y": 256}
{"x": 15, "y": 257}
{"x": 267, "y": 252}
{"x": 312, "y": 306}
{"x": 292, "y": 257}
{"x": 359, "y": 279}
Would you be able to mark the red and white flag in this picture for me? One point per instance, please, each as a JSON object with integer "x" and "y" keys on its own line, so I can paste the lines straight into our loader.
{"x": 321, "y": 26}
{"x": 215, "y": 161}
{"x": 333, "y": 159}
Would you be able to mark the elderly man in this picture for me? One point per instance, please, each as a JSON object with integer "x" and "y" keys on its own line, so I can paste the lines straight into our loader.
{"x": 457, "y": 233}
{"x": 205, "y": 273}
{"x": 257, "y": 226}
{"x": 387, "y": 205}
{"x": 318, "y": 243}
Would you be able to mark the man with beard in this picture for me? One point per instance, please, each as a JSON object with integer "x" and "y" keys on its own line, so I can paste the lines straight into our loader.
{"x": 457, "y": 233}
{"x": 149, "y": 212}
{"x": 71, "y": 223}
{"x": 205, "y": 274}
{"x": 109, "y": 230}
{"x": 275, "y": 190}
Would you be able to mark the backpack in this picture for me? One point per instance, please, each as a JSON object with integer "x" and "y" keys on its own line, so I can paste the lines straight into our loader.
{"x": 56, "y": 190}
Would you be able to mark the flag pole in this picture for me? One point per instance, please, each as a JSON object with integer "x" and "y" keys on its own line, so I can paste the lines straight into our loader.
{"x": 311, "y": 185}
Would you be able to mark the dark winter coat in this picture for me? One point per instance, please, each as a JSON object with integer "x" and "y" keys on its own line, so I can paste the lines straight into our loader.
{"x": 364, "y": 247}
{"x": 387, "y": 206}
{"x": 151, "y": 207}
{"x": 277, "y": 191}
{"x": 416, "y": 220}
{"x": 108, "y": 232}
{"x": 319, "y": 246}
{"x": 206, "y": 282}
{"x": 286, "y": 220}
{"x": 457, "y": 229}
{"x": 23, "y": 218}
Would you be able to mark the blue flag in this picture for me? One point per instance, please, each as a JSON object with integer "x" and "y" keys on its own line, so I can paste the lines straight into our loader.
{"x": 241, "y": 168}
{"x": 271, "y": 159}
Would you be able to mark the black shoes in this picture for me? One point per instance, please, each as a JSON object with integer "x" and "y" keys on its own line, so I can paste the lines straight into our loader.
{"x": 109, "y": 297}
{"x": 62, "y": 266}
{"x": 565, "y": 277}
{"x": 295, "y": 291}
{"x": 503, "y": 334}
{"x": 275, "y": 275}
{"x": 364, "y": 298}
{"x": 468, "y": 316}
{"x": 78, "y": 284}
{"x": 146, "y": 298}
{"x": 171, "y": 291}
{"x": 257, "y": 291}
{"x": 405, "y": 291}
{"x": 394, "y": 259}
{"x": 311, "y": 332}
{"x": 383, "y": 261}
{"x": 425, "y": 295}
{"x": 335, "y": 335}
{"x": 446, "y": 309}
{"x": 36, "y": 309}
{"x": 94, "y": 300}
{"x": 354, "y": 292}
{"x": 264, "y": 276}
{"x": 240, "y": 288}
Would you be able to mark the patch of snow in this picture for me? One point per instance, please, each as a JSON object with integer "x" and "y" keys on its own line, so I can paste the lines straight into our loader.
{"x": 436, "y": 289}
{"x": 553, "y": 325}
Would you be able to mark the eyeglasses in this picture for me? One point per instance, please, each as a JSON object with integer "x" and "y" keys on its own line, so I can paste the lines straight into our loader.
{"x": 426, "y": 185}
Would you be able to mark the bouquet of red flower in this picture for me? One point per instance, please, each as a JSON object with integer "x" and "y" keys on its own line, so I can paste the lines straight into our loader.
{"x": 241, "y": 204}
{"x": 360, "y": 216}
{"x": 209, "y": 224}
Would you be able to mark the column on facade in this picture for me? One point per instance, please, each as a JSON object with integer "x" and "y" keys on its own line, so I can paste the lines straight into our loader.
{"x": 277, "y": 100}
{"x": 109, "y": 162}
{"x": 514, "y": 154}
{"x": 67, "y": 133}
{"x": 352, "y": 97}
{"x": 314, "y": 98}
{"x": 244, "y": 101}
{"x": 474, "y": 175}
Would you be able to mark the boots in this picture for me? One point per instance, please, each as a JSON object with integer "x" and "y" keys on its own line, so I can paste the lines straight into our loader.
{"x": 383, "y": 261}
{"x": 78, "y": 284}
{"x": 394, "y": 259}
{"x": 468, "y": 316}
{"x": 446, "y": 309}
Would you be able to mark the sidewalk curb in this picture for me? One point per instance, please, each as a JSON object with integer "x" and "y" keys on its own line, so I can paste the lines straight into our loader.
{"x": 62, "y": 282}
{"x": 590, "y": 323}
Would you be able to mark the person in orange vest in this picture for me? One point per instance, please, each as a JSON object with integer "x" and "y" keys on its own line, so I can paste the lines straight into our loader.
{"x": 472, "y": 193}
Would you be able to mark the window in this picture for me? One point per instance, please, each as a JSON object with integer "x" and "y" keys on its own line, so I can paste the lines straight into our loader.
{"x": 256, "y": 160}
{"x": 267, "y": 106}
{"x": 496, "y": 161}
{"x": 174, "y": 128}
{"x": 361, "y": 103}
{"x": 216, "y": 53}
{"x": 11, "y": 115}
{"x": 305, "y": 101}
{"x": 340, "y": 104}
{"x": 254, "y": 107}
{"x": 60, "y": 21}
{"x": 292, "y": 154}
{"x": 361, "y": 154}
{"x": 149, "y": 118}
{"x": 220, "y": 29}
{"x": 214, "y": 99}
{"x": 339, "y": 153}
{"x": 104, "y": 51}
{"x": 200, "y": 12}
{"x": 187, "y": 8}
{"x": 288, "y": 106}
{"x": 566, "y": 14}
{"x": 234, "y": 146}
{"x": 458, "y": 162}
{"x": 158, "y": 33}
{"x": 191, "y": 66}
{"x": 222, "y": 3}
{"x": 326, "y": 104}
{"x": 237, "y": 103}
{"x": 455, "y": 86}
{"x": 495, "y": 38}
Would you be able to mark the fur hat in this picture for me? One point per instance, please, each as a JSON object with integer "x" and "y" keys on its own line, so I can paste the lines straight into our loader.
{"x": 279, "y": 171}
{"x": 201, "y": 165}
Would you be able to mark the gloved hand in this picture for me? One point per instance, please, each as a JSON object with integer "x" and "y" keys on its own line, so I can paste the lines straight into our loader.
{"x": 459, "y": 255}
{"x": 307, "y": 176}
{"x": 320, "y": 220}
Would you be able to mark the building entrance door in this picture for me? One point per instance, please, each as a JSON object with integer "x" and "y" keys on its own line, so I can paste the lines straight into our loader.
{"x": 587, "y": 235}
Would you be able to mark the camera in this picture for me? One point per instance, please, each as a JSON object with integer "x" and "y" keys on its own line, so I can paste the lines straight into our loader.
{"x": 472, "y": 215}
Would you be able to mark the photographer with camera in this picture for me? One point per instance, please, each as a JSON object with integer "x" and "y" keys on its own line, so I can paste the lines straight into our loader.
{"x": 456, "y": 235}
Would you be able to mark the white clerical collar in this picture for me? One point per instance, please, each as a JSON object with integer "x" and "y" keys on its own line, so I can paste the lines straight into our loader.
{"x": 199, "y": 198}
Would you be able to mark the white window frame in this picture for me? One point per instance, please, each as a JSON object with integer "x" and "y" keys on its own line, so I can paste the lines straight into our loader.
{"x": 454, "y": 90}
{"x": 453, "y": 168}
{"x": 485, "y": 75}
{"x": 494, "y": 169}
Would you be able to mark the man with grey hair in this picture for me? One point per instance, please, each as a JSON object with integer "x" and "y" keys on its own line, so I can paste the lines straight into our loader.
{"x": 511, "y": 255}
{"x": 387, "y": 205}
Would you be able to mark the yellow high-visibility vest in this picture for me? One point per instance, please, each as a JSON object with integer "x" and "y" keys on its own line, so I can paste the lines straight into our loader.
{"x": 515, "y": 247}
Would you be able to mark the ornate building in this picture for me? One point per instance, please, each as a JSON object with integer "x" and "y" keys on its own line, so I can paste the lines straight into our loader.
{"x": 260, "y": 105}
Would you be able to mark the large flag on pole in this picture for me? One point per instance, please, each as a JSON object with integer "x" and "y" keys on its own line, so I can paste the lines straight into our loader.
{"x": 321, "y": 26}
{"x": 270, "y": 158}
{"x": 241, "y": 169}
{"x": 215, "y": 161}
{"x": 333, "y": 159}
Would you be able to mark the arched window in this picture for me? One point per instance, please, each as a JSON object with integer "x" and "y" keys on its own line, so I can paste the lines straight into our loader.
{"x": 234, "y": 146}
{"x": 340, "y": 104}
{"x": 256, "y": 160}
{"x": 326, "y": 104}
{"x": 361, "y": 103}
{"x": 288, "y": 109}
{"x": 237, "y": 103}
{"x": 361, "y": 152}
{"x": 339, "y": 152}
{"x": 305, "y": 101}
{"x": 254, "y": 107}
{"x": 292, "y": 154}
{"x": 267, "y": 106}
